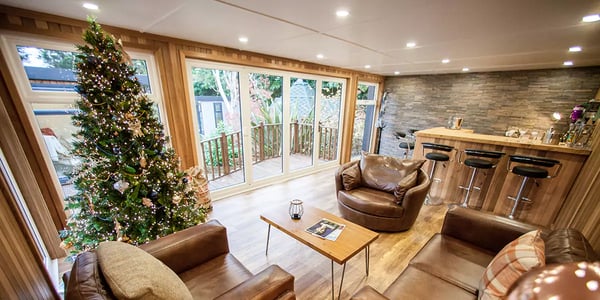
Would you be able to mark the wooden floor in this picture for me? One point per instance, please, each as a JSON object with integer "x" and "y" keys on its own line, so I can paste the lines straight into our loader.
{"x": 247, "y": 237}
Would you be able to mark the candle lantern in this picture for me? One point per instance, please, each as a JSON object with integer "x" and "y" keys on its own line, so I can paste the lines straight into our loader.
{"x": 296, "y": 209}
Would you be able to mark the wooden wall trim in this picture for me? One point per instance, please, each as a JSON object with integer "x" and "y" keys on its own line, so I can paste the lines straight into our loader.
{"x": 23, "y": 273}
{"x": 30, "y": 169}
{"x": 582, "y": 209}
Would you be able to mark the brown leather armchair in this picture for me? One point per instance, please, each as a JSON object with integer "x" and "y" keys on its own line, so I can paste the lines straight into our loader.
{"x": 373, "y": 199}
{"x": 200, "y": 257}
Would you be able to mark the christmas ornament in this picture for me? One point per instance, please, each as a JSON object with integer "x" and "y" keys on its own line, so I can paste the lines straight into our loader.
{"x": 136, "y": 128}
{"x": 143, "y": 162}
{"x": 147, "y": 202}
{"x": 153, "y": 195}
{"x": 176, "y": 199}
{"x": 185, "y": 180}
{"x": 121, "y": 186}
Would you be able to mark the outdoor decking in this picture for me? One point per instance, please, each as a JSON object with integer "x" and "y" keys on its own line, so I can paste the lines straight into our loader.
{"x": 263, "y": 169}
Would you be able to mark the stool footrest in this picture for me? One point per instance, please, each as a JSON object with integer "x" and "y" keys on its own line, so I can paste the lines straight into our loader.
{"x": 524, "y": 199}
{"x": 466, "y": 187}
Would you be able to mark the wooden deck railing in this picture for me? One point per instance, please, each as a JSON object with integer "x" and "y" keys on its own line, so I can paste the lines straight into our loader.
{"x": 222, "y": 155}
{"x": 266, "y": 141}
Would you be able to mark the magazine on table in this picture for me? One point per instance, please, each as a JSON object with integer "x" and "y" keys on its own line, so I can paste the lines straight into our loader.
{"x": 326, "y": 229}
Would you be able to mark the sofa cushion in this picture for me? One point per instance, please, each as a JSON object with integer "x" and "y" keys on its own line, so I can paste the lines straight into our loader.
{"x": 133, "y": 273}
{"x": 405, "y": 184}
{"x": 384, "y": 172}
{"x": 351, "y": 177}
{"x": 454, "y": 261}
{"x": 215, "y": 277}
{"x": 516, "y": 258}
{"x": 418, "y": 284}
{"x": 372, "y": 202}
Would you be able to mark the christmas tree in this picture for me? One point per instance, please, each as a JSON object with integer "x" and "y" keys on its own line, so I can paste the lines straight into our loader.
{"x": 130, "y": 187}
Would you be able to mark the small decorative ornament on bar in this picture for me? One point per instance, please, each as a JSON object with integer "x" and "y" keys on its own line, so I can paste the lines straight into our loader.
{"x": 296, "y": 209}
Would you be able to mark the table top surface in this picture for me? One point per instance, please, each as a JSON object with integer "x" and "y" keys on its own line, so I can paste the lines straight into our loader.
{"x": 352, "y": 239}
{"x": 468, "y": 136}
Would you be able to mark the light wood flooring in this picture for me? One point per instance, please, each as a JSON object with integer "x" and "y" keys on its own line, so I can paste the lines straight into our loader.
{"x": 390, "y": 253}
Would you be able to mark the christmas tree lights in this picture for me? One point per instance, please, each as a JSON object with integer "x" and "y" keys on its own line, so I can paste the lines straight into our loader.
{"x": 130, "y": 186}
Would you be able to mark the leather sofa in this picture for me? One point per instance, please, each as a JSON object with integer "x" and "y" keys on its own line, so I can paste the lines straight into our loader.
{"x": 200, "y": 257}
{"x": 375, "y": 207}
{"x": 453, "y": 261}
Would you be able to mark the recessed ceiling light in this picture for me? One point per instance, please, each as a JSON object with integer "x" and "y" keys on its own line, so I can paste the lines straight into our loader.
{"x": 568, "y": 63}
{"x": 91, "y": 6}
{"x": 445, "y": 61}
{"x": 396, "y": 72}
{"x": 575, "y": 49}
{"x": 465, "y": 69}
{"x": 342, "y": 13}
{"x": 591, "y": 18}
{"x": 411, "y": 45}
{"x": 367, "y": 66}
{"x": 320, "y": 56}
{"x": 243, "y": 39}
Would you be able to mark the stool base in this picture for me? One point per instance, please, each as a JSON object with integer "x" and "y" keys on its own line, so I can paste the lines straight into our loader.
{"x": 518, "y": 198}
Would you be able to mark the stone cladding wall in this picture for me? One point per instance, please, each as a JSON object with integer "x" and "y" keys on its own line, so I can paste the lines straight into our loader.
{"x": 488, "y": 102}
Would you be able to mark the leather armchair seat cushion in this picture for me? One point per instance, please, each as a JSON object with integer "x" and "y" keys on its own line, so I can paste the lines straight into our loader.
{"x": 454, "y": 261}
{"x": 215, "y": 277}
{"x": 417, "y": 284}
{"x": 372, "y": 202}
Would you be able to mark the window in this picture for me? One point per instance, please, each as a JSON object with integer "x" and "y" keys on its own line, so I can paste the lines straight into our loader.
{"x": 46, "y": 77}
{"x": 218, "y": 111}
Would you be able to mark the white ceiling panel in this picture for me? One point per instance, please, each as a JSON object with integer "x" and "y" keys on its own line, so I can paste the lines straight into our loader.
{"x": 484, "y": 35}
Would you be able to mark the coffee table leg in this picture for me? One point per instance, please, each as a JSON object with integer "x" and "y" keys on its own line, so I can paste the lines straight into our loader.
{"x": 332, "y": 287}
{"x": 341, "y": 282}
{"x": 367, "y": 259}
{"x": 268, "y": 236}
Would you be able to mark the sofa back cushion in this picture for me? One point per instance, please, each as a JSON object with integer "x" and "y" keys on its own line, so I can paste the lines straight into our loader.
{"x": 173, "y": 249}
{"x": 86, "y": 281}
{"x": 384, "y": 172}
{"x": 133, "y": 273}
{"x": 514, "y": 260}
{"x": 568, "y": 245}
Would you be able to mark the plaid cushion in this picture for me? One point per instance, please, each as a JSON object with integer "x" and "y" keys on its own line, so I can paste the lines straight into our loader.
{"x": 516, "y": 258}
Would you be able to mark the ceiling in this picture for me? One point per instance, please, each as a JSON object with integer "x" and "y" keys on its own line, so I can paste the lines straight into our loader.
{"x": 483, "y": 35}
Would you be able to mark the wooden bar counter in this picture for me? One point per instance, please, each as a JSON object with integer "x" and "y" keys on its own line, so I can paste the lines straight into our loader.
{"x": 547, "y": 195}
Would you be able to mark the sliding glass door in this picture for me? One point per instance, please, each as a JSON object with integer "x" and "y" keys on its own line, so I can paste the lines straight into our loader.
{"x": 255, "y": 125}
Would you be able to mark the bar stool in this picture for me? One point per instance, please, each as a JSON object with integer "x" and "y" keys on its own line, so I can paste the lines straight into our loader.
{"x": 475, "y": 162}
{"x": 435, "y": 156}
{"x": 530, "y": 167}
{"x": 407, "y": 142}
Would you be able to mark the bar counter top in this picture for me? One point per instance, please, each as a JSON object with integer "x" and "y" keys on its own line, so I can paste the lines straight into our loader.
{"x": 468, "y": 135}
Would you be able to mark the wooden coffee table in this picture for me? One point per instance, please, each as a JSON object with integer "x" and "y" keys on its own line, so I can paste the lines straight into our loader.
{"x": 353, "y": 239}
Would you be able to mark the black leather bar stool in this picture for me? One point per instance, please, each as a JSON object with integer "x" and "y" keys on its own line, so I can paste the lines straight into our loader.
{"x": 475, "y": 160}
{"x": 407, "y": 142}
{"x": 530, "y": 167}
{"x": 438, "y": 153}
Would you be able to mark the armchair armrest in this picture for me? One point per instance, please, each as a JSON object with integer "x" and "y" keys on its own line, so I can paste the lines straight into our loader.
{"x": 271, "y": 283}
{"x": 190, "y": 247}
{"x": 484, "y": 229}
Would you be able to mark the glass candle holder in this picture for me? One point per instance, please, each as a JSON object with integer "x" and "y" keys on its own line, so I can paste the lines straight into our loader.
{"x": 296, "y": 209}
